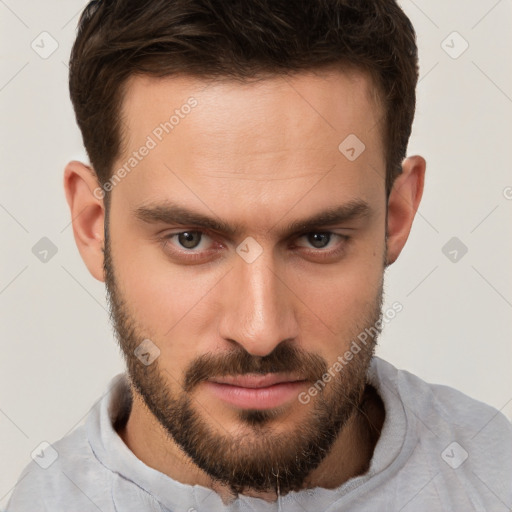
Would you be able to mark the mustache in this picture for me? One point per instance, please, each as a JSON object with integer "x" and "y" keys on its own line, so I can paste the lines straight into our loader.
{"x": 283, "y": 359}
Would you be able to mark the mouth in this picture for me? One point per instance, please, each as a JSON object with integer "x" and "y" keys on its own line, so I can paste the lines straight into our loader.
{"x": 253, "y": 391}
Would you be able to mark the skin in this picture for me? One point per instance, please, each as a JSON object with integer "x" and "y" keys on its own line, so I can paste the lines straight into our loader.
{"x": 259, "y": 156}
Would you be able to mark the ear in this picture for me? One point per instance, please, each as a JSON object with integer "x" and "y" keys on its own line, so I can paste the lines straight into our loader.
{"x": 85, "y": 200}
{"x": 403, "y": 202}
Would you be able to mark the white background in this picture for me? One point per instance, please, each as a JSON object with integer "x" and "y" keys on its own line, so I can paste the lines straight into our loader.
{"x": 57, "y": 348}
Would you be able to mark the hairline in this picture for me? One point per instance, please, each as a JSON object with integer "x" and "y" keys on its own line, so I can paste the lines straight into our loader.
{"x": 374, "y": 94}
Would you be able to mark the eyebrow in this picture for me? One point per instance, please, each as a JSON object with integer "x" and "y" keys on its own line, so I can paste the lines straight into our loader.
{"x": 176, "y": 214}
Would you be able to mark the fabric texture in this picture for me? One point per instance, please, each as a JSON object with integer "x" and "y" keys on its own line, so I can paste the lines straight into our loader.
{"x": 439, "y": 450}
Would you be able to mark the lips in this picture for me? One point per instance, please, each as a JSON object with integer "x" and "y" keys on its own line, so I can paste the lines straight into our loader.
{"x": 252, "y": 391}
{"x": 254, "y": 380}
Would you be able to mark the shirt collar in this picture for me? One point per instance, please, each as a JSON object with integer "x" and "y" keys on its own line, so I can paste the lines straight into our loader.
{"x": 113, "y": 453}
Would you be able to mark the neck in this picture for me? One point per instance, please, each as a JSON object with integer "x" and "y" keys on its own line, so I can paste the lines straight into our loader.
{"x": 349, "y": 456}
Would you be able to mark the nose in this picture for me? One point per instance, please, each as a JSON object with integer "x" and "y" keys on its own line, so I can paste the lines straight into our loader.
{"x": 259, "y": 308}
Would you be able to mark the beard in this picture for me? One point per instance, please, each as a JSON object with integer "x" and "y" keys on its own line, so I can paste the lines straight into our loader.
{"x": 257, "y": 457}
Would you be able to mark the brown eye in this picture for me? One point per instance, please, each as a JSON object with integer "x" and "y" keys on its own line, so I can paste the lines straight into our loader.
{"x": 322, "y": 246}
{"x": 319, "y": 240}
{"x": 189, "y": 247}
{"x": 189, "y": 239}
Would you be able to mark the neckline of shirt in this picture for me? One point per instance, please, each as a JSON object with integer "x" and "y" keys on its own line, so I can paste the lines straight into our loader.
{"x": 394, "y": 446}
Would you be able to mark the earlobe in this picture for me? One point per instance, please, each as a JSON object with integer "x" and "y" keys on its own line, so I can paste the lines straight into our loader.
{"x": 87, "y": 213}
{"x": 403, "y": 202}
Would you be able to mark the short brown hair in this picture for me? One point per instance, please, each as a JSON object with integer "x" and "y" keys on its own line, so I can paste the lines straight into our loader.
{"x": 237, "y": 39}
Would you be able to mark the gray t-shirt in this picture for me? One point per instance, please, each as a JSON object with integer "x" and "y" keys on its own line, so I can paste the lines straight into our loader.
{"x": 439, "y": 450}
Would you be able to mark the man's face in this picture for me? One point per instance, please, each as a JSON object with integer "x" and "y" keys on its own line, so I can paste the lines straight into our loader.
{"x": 261, "y": 293}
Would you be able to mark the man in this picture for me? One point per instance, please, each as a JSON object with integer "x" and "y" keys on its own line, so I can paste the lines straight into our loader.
{"x": 248, "y": 187}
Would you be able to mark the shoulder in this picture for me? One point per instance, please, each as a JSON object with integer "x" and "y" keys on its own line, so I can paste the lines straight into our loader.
{"x": 61, "y": 474}
{"x": 466, "y": 442}
{"x": 445, "y": 406}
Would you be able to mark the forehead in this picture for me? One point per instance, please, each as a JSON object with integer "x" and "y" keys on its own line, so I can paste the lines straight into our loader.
{"x": 285, "y": 127}
{"x": 330, "y": 100}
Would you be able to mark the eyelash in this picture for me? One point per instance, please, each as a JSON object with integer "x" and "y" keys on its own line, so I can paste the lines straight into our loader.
{"x": 194, "y": 255}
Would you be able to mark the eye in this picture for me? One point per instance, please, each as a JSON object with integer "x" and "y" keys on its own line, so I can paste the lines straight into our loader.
{"x": 188, "y": 240}
{"x": 319, "y": 240}
{"x": 190, "y": 247}
{"x": 322, "y": 239}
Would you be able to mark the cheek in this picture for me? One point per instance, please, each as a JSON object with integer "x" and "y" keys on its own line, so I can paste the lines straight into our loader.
{"x": 339, "y": 299}
{"x": 170, "y": 305}
{"x": 341, "y": 302}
